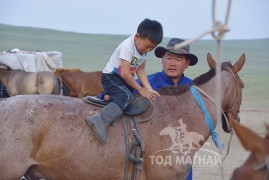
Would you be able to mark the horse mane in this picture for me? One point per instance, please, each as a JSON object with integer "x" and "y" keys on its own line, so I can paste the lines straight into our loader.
{"x": 210, "y": 74}
{"x": 173, "y": 90}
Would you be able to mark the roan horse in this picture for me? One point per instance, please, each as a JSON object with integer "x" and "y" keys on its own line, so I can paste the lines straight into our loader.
{"x": 21, "y": 82}
{"x": 256, "y": 166}
{"x": 46, "y": 136}
{"x": 80, "y": 83}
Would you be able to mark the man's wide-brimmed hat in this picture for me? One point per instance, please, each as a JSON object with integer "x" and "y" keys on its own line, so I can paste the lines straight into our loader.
{"x": 160, "y": 51}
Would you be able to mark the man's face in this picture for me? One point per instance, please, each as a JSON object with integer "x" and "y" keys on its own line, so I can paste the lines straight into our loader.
{"x": 174, "y": 65}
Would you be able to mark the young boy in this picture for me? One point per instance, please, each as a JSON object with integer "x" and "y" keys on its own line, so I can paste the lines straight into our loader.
{"x": 118, "y": 76}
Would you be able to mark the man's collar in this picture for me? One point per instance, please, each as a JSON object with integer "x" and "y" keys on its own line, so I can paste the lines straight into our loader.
{"x": 169, "y": 80}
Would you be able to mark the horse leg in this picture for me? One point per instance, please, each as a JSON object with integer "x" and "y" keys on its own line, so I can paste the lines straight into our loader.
{"x": 174, "y": 146}
{"x": 45, "y": 83}
{"x": 15, "y": 152}
{"x": 12, "y": 90}
{"x": 12, "y": 170}
{"x": 66, "y": 91}
{"x": 33, "y": 174}
{"x": 58, "y": 86}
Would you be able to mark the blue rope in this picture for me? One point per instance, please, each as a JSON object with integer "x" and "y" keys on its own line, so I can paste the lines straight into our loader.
{"x": 208, "y": 119}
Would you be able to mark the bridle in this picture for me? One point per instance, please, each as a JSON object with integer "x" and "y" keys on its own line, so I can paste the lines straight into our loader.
{"x": 239, "y": 100}
{"x": 265, "y": 164}
{"x": 223, "y": 112}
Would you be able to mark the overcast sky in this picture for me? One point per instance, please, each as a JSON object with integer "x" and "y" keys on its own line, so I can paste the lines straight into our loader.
{"x": 249, "y": 19}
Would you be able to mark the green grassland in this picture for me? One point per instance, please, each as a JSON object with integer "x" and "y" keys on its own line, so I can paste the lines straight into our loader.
{"x": 90, "y": 52}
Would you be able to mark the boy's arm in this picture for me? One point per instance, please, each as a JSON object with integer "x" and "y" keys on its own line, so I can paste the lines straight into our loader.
{"x": 142, "y": 76}
{"x": 129, "y": 79}
{"x": 127, "y": 76}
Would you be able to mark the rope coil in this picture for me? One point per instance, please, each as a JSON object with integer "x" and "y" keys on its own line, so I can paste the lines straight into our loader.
{"x": 217, "y": 32}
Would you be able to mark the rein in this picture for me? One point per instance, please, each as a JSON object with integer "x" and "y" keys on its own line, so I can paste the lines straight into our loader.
{"x": 212, "y": 100}
{"x": 208, "y": 119}
{"x": 262, "y": 166}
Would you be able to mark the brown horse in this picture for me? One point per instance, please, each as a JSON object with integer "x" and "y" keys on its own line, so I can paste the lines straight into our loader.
{"x": 256, "y": 166}
{"x": 80, "y": 84}
{"x": 22, "y": 82}
{"x": 46, "y": 136}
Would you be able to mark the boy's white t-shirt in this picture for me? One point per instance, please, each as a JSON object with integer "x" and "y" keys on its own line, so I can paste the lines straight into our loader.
{"x": 126, "y": 51}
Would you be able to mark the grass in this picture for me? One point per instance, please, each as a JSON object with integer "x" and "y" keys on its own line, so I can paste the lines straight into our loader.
{"x": 90, "y": 52}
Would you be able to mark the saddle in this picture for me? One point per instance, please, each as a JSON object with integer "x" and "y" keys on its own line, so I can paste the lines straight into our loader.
{"x": 141, "y": 108}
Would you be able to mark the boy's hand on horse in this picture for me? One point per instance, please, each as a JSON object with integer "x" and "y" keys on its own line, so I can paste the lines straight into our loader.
{"x": 150, "y": 95}
{"x": 154, "y": 92}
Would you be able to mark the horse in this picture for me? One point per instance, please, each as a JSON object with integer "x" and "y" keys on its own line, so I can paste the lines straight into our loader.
{"x": 21, "y": 82}
{"x": 181, "y": 137}
{"x": 47, "y": 136}
{"x": 257, "y": 165}
{"x": 78, "y": 83}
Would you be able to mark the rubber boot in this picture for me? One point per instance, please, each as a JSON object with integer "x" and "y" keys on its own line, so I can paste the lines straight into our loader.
{"x": 100, "y": 121}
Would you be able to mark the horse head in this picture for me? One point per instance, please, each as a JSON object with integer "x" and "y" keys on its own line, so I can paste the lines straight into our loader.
{"x": 257, "y": 164}
{"x": 167, "y": 131}
{"x": 235, "y": 93}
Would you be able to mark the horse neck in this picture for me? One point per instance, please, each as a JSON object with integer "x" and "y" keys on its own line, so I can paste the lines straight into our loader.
{"x": 170, "y": 109}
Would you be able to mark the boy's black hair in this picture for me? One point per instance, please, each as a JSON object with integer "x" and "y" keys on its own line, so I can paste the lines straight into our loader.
{"x": 151, "y": 30}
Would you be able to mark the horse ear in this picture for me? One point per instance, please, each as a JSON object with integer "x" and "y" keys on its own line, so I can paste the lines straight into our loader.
{"x": 239, "y": 64}
{"x": 248, "y": 138}
{"x": 211, "y": 62}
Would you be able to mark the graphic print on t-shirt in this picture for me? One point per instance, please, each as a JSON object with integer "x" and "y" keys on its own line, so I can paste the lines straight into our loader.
{"x": 136, "y": 61}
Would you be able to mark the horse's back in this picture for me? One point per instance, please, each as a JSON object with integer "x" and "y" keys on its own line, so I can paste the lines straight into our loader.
{"x": 22, "y": 82}
{"x": 81, "y": 83}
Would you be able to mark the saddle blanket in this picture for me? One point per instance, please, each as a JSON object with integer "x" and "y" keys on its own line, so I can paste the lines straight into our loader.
{"x": 31, "y": 61}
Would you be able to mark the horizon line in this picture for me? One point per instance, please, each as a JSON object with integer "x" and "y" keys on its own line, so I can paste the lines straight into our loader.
{"x": 84, "y": 33}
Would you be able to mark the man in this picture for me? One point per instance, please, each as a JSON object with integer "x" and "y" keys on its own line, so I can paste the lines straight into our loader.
{"x": 174, "y": 63}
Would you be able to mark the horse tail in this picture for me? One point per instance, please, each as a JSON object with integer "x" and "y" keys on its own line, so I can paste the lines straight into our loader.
{"x": 58, "y": 86}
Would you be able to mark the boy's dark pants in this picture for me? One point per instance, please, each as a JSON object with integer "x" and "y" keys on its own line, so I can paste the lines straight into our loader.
{"x": 120, "y": 95}
{"x": 118, "y": 90}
